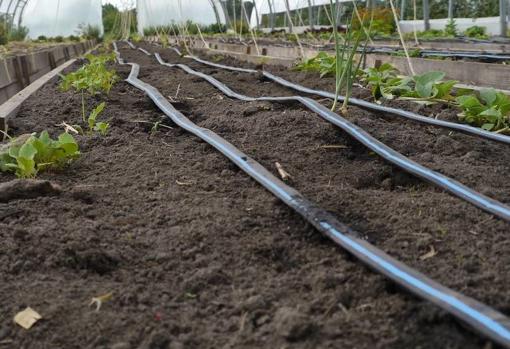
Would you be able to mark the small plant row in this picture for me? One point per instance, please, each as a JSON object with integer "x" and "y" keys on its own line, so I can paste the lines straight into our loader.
{"x": 27, "y": 156}
{"x": 487, "y": 109}
{"x": 30, "y": 154}
{"x": 94, "y": 79}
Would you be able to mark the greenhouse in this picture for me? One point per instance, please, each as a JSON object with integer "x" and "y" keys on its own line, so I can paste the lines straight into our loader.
{"x": 254, "y": 174}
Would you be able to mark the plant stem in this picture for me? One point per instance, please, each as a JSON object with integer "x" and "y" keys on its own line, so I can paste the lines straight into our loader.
{"x": 337, "y": 53}
{"x": 82, "y": 106}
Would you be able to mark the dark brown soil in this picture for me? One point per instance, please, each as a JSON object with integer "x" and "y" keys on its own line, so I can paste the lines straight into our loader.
{"x": 198, "y": 255}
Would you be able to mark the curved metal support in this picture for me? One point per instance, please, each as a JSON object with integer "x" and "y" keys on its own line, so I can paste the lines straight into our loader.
{"x": 21, "y": 13}
{"x": 16, "y": 7}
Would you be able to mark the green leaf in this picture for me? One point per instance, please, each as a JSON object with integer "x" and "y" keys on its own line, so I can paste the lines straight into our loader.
{"x": 68, "y": 144}
{"x": 429, "y": 77}
{"x": 488, "y": 96}
{"x": 488, "y": 127}
{"x": 102, "y": 128}
{"x": 94, "y": 114}
{"x": 25, "y": 160}
{"x": 468, "y": 101}
{"x": 444, "y": 89}
{"x": 424, "y": 90}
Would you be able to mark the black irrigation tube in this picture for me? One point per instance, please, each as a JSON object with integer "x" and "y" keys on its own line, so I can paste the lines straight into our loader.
{"x": 458, "y": 189}
{"x": 482, "y": 318}
{"x": 466, "y": 129}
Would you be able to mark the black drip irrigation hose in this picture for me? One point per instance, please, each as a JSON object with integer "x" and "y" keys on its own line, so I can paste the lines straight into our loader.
{"x": 466, "y": 129}
{"x": 458, "y": 189}
{"x": 480, "y": 317}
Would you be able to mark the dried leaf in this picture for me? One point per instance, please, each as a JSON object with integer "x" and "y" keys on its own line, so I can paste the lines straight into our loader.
{"x": 429, "y": 254}
{"x": 27, "y": 318}
{"x": 98, "y": 301}
{"x": 284, "y": 174}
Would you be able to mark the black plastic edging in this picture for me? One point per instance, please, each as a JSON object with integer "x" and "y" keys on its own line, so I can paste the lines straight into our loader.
{"x": 483, "y": 319}
{"x": 466, "y": 129}
{"x": 456, "y": 188}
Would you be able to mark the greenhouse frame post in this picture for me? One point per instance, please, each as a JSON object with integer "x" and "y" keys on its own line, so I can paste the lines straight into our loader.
{"x": 287, "y": 6}
{"x": 256, "y": 14}
{"x": 450, "y": 9}
{"x": 503, "y": 5}
{"x": 216, "y": 14}
{"x": 310, "y": 14}
{"x": 228, "y": 22}
{"x": 402, "y": 9}
{"x": 271, "y": 15}
{"x": 426, "y": 14}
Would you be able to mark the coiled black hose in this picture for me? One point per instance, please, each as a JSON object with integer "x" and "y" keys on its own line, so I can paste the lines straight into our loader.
{"x": 479, "y": 316}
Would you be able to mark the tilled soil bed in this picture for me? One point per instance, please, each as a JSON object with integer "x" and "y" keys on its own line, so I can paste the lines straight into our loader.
{"x": 198, "y": 255}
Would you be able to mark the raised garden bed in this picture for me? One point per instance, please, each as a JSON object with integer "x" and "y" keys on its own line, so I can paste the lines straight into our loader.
{"x": 199, "y": 255}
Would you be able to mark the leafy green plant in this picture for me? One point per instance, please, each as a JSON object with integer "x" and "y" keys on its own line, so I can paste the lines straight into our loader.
{"x": 73, "y": 38}
{"x": 451, "y": 28}
{"x": 28, "y": 158}
{"x": 476, "y": 32}
{"x": 100, "y": 127}
{"x": 382, "y": 20}
{"x": 4, "y": 37}
{"x": 18, "y": 33}
{"x": 322, "y": 63}
{"x": 491, "y": 111}
{"x": 90, "y": 32}
{"x": 385, "y": 82}
{"x": 93, "y": 77}
{"x": 429, "y": 88}
{"x": 346, "y": 69}
{"x": 412, "y": 53}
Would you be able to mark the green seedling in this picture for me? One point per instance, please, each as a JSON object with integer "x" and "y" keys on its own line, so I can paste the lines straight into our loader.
{"x": 102, "y": 128}
{"x": 35, "y": 154}
{"x": 490, "y": 111}
{"x": 94, "y": 77}
{"x": 92, "y": 120}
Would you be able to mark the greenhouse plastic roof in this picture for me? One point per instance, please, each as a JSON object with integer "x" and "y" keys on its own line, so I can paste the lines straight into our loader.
{"x": 53, "y": 17}
{"x": 162, "y": 12}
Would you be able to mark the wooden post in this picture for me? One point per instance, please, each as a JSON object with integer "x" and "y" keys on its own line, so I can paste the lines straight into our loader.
{"x": 17, "y": 71}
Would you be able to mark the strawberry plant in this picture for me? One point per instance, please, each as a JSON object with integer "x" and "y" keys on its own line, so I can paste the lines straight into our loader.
{"x": 35, "y": 154}
{"x": 322, "y": 63}
{"x": 429, "y": 88}
{"x": 490, "y": 111}
{"x": 384, "y": 81}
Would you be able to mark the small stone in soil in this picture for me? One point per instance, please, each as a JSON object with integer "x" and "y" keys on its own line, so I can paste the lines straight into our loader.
{"x": 292, "y": 325}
